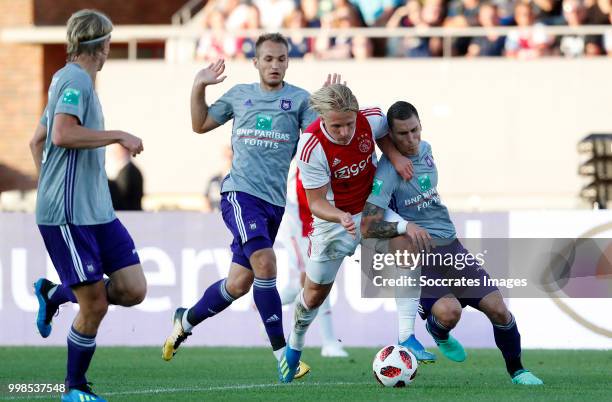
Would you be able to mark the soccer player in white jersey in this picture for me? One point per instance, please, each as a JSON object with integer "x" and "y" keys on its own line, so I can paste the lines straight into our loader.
{"x": 293, "y": 235}
{"x": 74, "y": 212}
{"x": 337, "y": 159}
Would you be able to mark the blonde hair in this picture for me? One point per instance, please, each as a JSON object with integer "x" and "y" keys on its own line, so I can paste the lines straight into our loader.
{"x": 87, "y": 30}
{"x": 336, "y": 98}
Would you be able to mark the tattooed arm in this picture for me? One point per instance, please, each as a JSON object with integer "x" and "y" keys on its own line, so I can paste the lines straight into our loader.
{"x": 373, "y": 225}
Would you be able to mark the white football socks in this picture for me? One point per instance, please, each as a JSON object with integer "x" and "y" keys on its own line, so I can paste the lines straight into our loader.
{"x": 406, "y": 314}
{"x": 302, "y": 320}
{"x": 325, "y": 321}
{"x": 279, "y": 353}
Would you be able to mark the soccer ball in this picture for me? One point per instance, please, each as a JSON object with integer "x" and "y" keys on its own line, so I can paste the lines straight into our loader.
{"x": 394, "y": 366}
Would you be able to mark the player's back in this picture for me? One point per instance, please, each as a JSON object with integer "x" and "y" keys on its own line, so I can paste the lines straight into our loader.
{"x": 73, "y": 186}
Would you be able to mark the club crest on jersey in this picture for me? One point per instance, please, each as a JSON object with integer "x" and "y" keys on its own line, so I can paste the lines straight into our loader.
{"x": 424, "y": 182}
{"x": 429, "y": 161}
{"x": 365, "y": 145}
{"x": 285, "y": 104}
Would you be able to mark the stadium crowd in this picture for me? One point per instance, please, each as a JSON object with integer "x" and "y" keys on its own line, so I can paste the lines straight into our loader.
{"x": 222, "y": 17}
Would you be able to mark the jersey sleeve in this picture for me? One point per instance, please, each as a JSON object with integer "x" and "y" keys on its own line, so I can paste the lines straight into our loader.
{"x": 223, "y": 110}
{"x": 44, "y": 119}
{"x": 312, "y": 163}
{"x": 73, "y": 98}
{"x": 385, "y": 183}
{"x": 377, "y": 120}
{"x": 307, "y": 116}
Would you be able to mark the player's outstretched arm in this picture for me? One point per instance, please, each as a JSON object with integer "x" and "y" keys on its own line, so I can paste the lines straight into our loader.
{"x": 201, "y": 122}
{"x": 68, "y": 133}
{"x": 402, "y": 164}
{"x": 37, "y": 144}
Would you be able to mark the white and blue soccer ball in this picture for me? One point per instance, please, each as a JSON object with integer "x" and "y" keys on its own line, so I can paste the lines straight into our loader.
{"x": 394, "y": 366}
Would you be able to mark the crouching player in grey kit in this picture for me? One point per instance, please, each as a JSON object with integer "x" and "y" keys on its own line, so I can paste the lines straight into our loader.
{"x": 74, "y": 212}
{"x": 425, "y": 221}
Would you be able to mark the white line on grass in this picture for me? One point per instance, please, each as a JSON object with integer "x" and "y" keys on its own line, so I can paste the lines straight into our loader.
{"x": 197, "y": 389}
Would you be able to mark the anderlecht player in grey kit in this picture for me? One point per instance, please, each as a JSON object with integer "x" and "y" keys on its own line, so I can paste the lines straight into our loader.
{"x": 424, "y": 222}
{"x": 74, "y": 213}
{"x": 267, "y": 119}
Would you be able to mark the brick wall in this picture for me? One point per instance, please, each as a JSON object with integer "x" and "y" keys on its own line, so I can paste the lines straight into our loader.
{"x": 57, "y": 12}
{"x": 21, "y": 97}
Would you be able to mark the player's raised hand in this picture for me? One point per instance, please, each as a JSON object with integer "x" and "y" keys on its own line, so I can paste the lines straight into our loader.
{"x": 212, "y": 74}
{"x": 419, "y": 237}
{"x": 333, "y": 79}
{"x": 349, "y": 224}
{"x": 404, "y": 167}
{"x": 131, "y": 143}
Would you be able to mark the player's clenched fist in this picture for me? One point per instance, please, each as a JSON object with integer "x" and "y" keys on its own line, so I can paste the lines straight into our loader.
{"x": 348, "y": 223}
{"x": 131, "y": 143}
{"x": 211, "y": 75}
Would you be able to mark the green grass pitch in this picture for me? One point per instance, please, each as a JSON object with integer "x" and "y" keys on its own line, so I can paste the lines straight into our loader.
{"x": 207, "y": 374}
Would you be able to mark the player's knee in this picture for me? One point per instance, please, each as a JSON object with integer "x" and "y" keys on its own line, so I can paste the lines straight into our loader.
{"x": 238, "y": 287}
{"x": 264, "y": 265}
{"x": 448, "y": 314}
{"x": 499, "y": 314}
{"x": 135, "y": 295}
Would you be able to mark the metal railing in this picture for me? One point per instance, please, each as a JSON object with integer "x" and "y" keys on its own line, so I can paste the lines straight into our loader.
{"x": 133, "y": 34}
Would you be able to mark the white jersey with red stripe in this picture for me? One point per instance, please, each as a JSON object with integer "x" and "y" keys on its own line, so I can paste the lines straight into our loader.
{"x": 348, "y": 169}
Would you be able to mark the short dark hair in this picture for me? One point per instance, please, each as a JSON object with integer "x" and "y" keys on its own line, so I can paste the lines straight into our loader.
{"x": 401, "y": 111}
{"x": 272, "y": 37}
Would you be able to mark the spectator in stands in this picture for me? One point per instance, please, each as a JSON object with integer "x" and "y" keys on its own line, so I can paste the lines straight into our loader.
{"x": 246, "y": 45}
{"x": 238, "y": 16}
{"x": 310, "y": 8}
{"x": 598, "y": 12}
{"x": 493, "y": 43}
{"x": 344, "y": 15}
{"x": 462, "y": 14}
{"x": 362, "y": 48}
{"x": 376, "y": 12}
{"x": 413, "y": 15}
{"x": 299, "y": 45}
{"x": 274, "y": 12}
{"x": 573, "y": 46}
{"x": 433, "y": 15}
{"x": 528, "y": 40}
{"x": 217, "y": 44}
{"x": 547, "y": 12}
